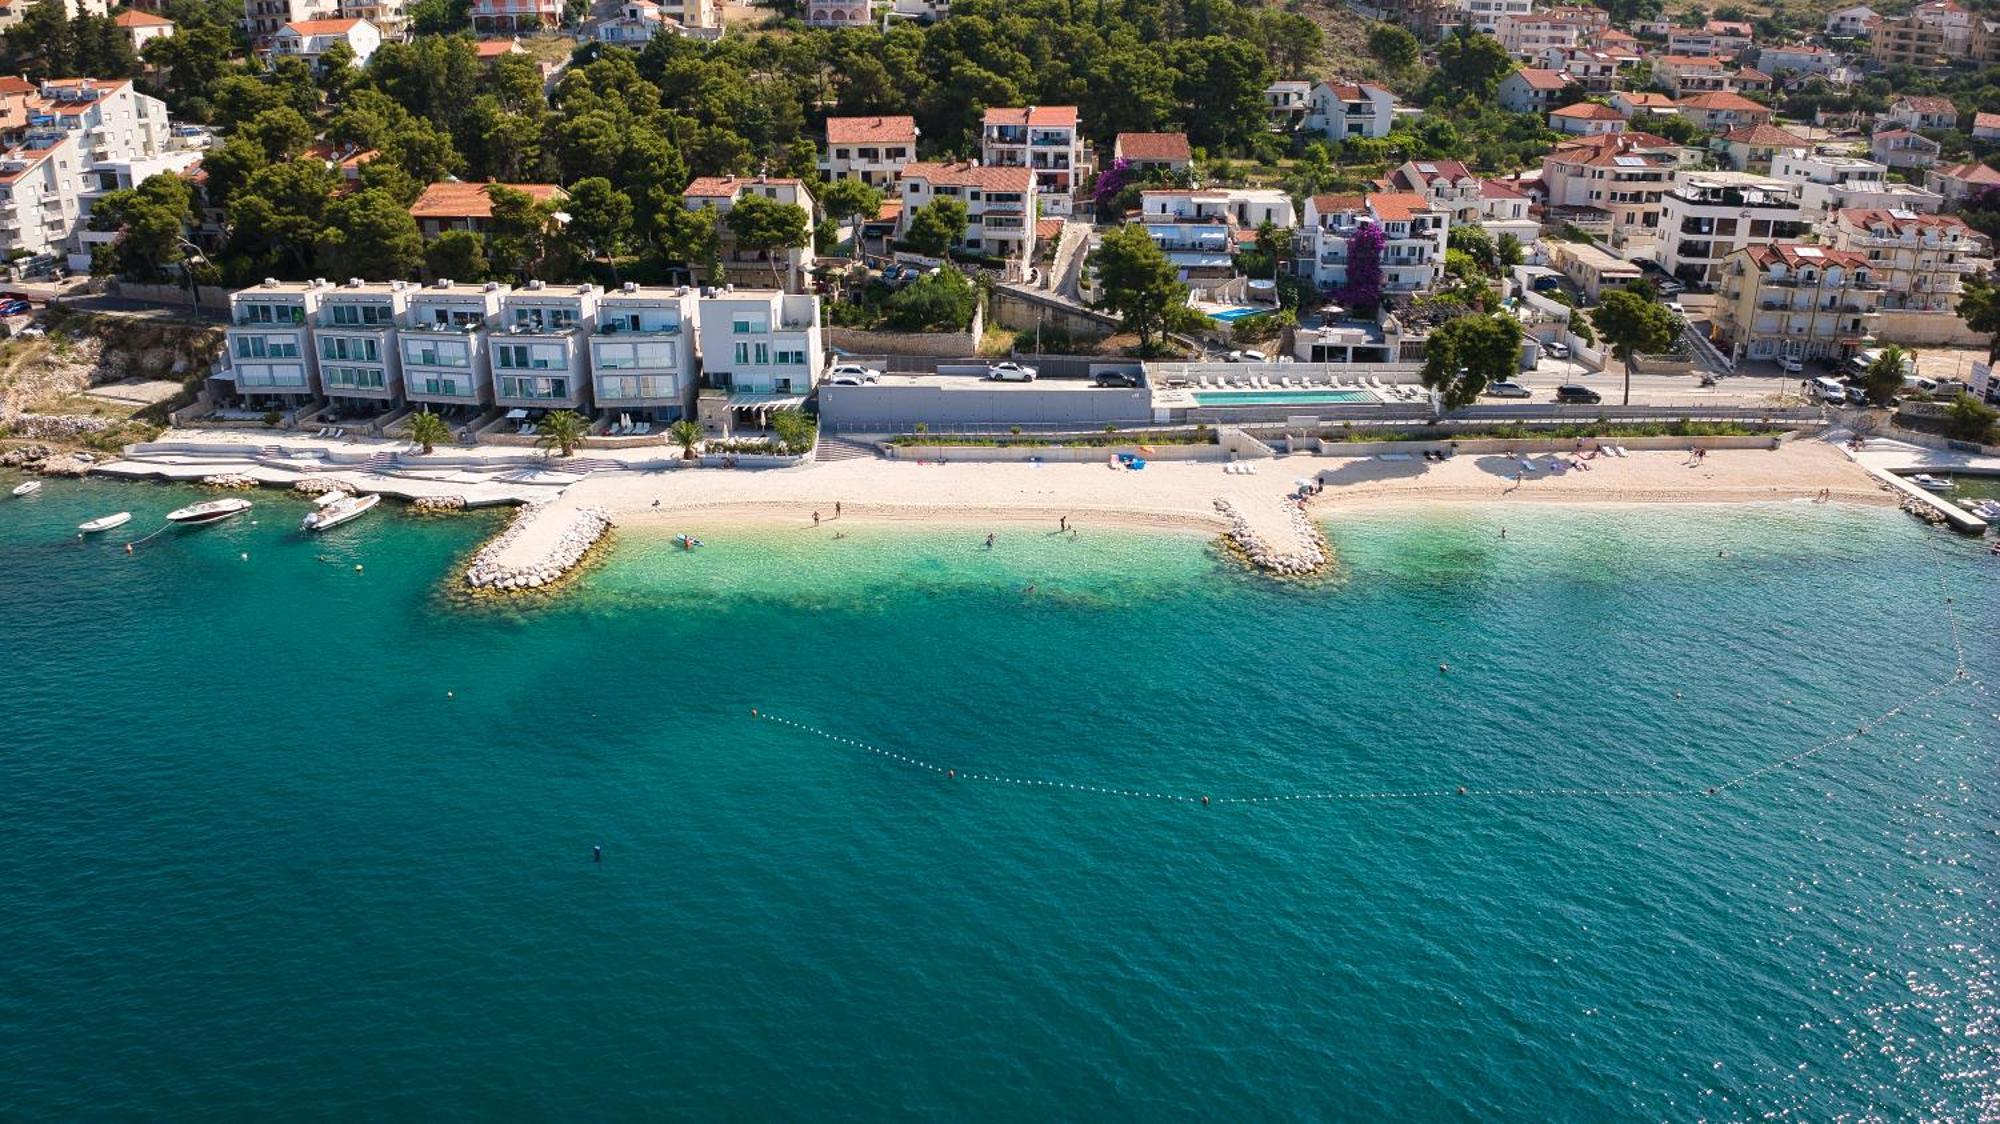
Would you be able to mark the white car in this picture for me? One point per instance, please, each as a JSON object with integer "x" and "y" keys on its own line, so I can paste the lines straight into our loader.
{"x": 1556, "y": 349}
{"x": 1675, "y": 308}
{"x": 1010, "y": 372}
{"x": 1507, "y": 390}
{"x": 852, "y": 374}
{"x": 1791, "y": 365}
{"x": 1248, "y": 357}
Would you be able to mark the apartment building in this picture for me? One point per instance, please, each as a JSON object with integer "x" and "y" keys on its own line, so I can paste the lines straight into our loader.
{"x": 1043, "y": 139}
{"x": 1611, "y": 188}
{"x": 790, "y": 266}
{"x": 1287, "y": 101}
{"x": 1200, "y": 231}
{"x": 1957, "y": 183}
{"x": 634, "y": 26}
{"x": 1504, "y": 209}
{"x": 1828, "y": 182}
{"x": 1594, "y": 70}
{"x": 510, "y": 17}
{"x": 1684, "y": 76}
{"x": 1714, "y": 39}
{"x": 1907, "y": 41}
{"x": 1921, "y": 260}
{"x": 446, "y": 345}
{"x": 1791, "y": 301}
{"x": 1534, "y": 90}
{"x": 1448, "y": 184}
{"x": 1901, "y": 148}
{"x": 13, "y": 11}
{"x": 870, "y": 149}
{"x": 263, "y": 18}
{"x": 642, "y": 353}
{"x": 1721, "y": 112}
{"x": 1847, "y": 23}
{"x": 309, "y": 40}
{"x": 110, "y": 119}
{"x": 540, "y": 355}
{"x": 840, "y": 13}
{"x": 41, "y": 188}
{"x": 1153, "y": 152}
{"x": 268, "y": 345}
{"x": 1413, "y": 239}
{"x": 1797, "y": 58}
{"x": 1483, "y": 16}
{"x": 390, "y": 17}
{"x": 760, "y": 345}
{"x": 999, "y": 205}
{"x": 1751, "y": 148}
{"x": 1527, "y": 35}
{"x": 1707, "y": 216}
{"x": 1339, "y": 110}
{"x": 355, "y": 337}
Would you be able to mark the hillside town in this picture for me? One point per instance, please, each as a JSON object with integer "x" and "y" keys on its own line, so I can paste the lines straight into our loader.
{"x": 643, "y": 213}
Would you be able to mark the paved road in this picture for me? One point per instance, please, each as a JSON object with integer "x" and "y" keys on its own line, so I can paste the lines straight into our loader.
{"x": 1657, "y": 390}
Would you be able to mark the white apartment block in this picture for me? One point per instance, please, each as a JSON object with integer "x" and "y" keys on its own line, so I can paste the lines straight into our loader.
{"x": 1527, "y": 36}
{"x": 720, "y": 194}
{"x": 870, "y": 149}
{"x": 642, "y": 354}
{"x": 1612, "y": 187}
{"x": 41, "y": 188}
{"x": 445, "y": 345}
{"x": 1340, "y": 110}
{"x": 1483, "y": 16}
{"x": 1043, "y": 139}
{"x": 268, "y": 345}
{"x": 390, "y": 17}
{"x": 1708, "y": 216}
{"x": 760, "y": 345}
{"x": 354, "y": 336}
{"x": 310, "y": 40}
{"x": 263, "y": 18}
{"x": 1827, "y": 183}
{"x": 1921, "y": 260}
{"x": 540, "y": 357}
{"x": 1200, "y": 231}
{"x": 1413, "y": 246}
{"x": 999, "y": 204}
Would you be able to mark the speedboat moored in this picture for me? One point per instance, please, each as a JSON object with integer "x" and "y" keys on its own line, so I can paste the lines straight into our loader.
{"x": 1931, "y": 483}
{"x": 211, "y": 511}
{"x": 338, "y": 512}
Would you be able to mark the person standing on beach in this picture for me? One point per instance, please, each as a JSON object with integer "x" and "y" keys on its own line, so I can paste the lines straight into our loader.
{"x": 815, "y": 518}
{"x": 989, "y": 540}
{"x": 1062, "y": 524}
{"x": 836, "y": 509}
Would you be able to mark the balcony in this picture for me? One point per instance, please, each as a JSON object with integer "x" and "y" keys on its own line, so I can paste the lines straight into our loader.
{"x": 612, "y": 328}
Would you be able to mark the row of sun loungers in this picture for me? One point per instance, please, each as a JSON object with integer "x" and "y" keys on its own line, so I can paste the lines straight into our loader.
{"x": 330, "y": 431}
{"x": 626, "y": 427}
{"x": 1401, "y": 392}
{"x": 1240, "y": 468}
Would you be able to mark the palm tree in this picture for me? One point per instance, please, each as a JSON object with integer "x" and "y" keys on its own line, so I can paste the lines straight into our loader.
{"x": 561, "y": 432}
{"x": 687, "y": 434}
{"x": 429, "y": 430}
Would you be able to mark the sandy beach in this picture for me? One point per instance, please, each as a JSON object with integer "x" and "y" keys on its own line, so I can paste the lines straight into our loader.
{"x": 1181, "y": 495}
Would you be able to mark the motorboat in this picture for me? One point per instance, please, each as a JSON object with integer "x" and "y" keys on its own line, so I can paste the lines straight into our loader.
{"x": 1931, "y": 483}
{"x": 209, "y": 511}
{"x": 1986, "y": 509}
{"x": 338, "y": 512}
{"x": 105, "y": 523}
{"x": 28, "y": 488}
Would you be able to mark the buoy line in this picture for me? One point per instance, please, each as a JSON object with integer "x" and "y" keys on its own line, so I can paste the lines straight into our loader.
{"x": 1959, "y": 675}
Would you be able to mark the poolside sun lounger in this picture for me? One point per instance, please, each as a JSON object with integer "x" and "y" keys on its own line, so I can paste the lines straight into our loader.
{"x": 1621, "y": 450}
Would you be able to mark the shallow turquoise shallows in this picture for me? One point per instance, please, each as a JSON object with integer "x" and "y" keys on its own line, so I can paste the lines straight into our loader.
{"x": 281, "y": 837}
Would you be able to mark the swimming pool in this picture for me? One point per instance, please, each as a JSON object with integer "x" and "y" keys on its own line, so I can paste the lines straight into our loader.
{"x": 1280, "y": 397}
{"x": 1228, "y": 315}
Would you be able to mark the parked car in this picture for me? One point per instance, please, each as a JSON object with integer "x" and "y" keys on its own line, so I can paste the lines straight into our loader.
{"x": 1556, "y": 349}
{"x": 1010, "y": 372}
{"x": 852, "y": 374}
{"x": 1507, "y": 390}
{"x": 1828, "y": 391}
{"x": 1251, "y": 356}
{"x": 1791, "y": 365}
{"x": 1571, "y": 392}
{"x": 1114, "y": 378}
{"x": 1675, "y": 308}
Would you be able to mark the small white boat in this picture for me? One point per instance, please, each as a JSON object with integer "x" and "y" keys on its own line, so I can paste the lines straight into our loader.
{"x": 1985, "y": 509}
{"x": 1931, "y": 483}
{"x": 338, "y": 512}
{"x": 28, "y": 488}
{"x": 117, "y": 519}
{"x": 211, "y": 511}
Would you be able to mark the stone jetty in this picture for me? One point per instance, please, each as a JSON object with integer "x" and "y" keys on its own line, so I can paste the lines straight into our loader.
{"x": 229, "y": 481}
{"x": 539, "y": 547}
{"x": 1306, "y": 553}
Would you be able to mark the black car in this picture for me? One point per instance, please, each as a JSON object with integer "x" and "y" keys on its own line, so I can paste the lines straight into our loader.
{"x": 1573, "y": 393}
{"x": 1114, "y": 378}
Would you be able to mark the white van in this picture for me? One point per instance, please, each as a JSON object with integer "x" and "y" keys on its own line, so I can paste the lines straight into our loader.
{"x": 1828, "y": 391}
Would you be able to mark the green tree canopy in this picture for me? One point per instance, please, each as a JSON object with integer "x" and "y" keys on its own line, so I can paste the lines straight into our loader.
{"x": 1136, "y": 281}
{"x": 1632, "y": 323}
{"x": 370, "y": 234}
{"x": 936, "y": 227}
{"x": 767, "y": 227}
{"x": 1467, "y": 354}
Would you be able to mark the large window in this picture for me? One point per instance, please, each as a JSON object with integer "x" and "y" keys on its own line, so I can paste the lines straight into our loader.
{"x": 619, "y": 387}
{"x": 627, "y": 356}
{"x": 436, "y": 353}
{"x": 448, "y": 387}
{"x": 271, "y": 314}
{"x": 365, "y": 350}
{"x": 267, "y": 347}
{"x": 360, "y": 314}
{"x": 521, "y": 386}
{"x": 529, "y": 356}
{"x": 355, "y": 378}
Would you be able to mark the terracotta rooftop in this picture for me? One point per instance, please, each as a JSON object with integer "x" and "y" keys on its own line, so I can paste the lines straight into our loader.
{"x": 470, "y": 201}
{"x": 321, "y": 27}
{"x": 1397, "y": 206}
{"x": 871, "y": 130}
{"x": 1722, "y": 100}
{"x": 1040, "y": 116}
{"x": 727, "y": 187}
{"x": 494, "y": 48}
{"x": 1927, "y": 105}
{"x": 1588, "y": 111}
{"x": 1153, "y": 146}
{"x": 1970, "y": 173}
{"x": 132, "y": 17}
{"x": 987, "y": 177}
{"x": 1986, "y": 120}
{"x": 1765, "y": 136}
{"x": 1875, "y": 216}
{"x": 1540, "y": 79}
{"x": 1790, "y": 254}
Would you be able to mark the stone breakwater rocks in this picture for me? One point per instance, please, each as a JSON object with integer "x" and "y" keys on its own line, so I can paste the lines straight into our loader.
{"x": 56, "y": 427}
{"x": 73, "y": 464}
{"x": 1308, "y": 554}
{"x": 586, "y": 526}
{"x": 230, "y": 481}
{"x": 437, "y": 505}
{"x": 317, "y": 486}
{"x": 26, "y": 456}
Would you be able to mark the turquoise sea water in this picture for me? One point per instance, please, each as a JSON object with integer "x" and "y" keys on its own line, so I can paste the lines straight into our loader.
{"x": 278, "y": 837}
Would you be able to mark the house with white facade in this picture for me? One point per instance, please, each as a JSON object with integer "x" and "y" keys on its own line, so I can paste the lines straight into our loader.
{"x": 541, "y": 358}
{"x": 1339, "y": 110}
{"x": 267, "y": 346}
{"x": 1921, "y": 260}
{"x": 1504, "y": 210}
{"x": 1532, "y": 90}
{"x": 1920, "y": 113}
{"x": 1828, "y": 182}
{"x": 1044, "y": 139}
{"x": 1610, "y": 185}
{"x": 1413, "y": 239}
{"x": 1959, "y": 182}
{"x": 1847, "y": 23}
{"x": 141, "y": 28}
{"x": 1798, "y": 59}
{"x": 1901, "y": 148}
{"x": 1153, "y": 152}
{"x": 870, "y": 149}
{"x": 1587, "y": 119}
{"x": 999, "y": 204}
{"x": 1720, "y": 112}
{"x": 643, "y": 363}
{"x": 1287, "y": 102}
{"x": 1714, "y": 39}
{"x": 790, "y": 266}
{"x": 355, "y": 338}
{"x": 263, "y": 18}
{"x": 309, "y": 40}
{"x": 760, "y": 346}
{"x": 446, "y": 345}
{"x": 1710, "y": 215}
{"x": 1201, "y": 230}
{"x": 1483, "y": 16}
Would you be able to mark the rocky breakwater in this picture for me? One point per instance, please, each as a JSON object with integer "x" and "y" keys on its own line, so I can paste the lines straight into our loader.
{"x": 48, "y": 461}
{"x": 229, "y": 481}
{"x": 437, "y": 505}
{"x": 315, "y": 486}
{"x": 1305, "y": 554}
{"x": 538, "y": 549}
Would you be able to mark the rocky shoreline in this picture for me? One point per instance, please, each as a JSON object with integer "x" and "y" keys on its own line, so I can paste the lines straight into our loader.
{"x": 585, "y": 529}
{"x": 1309, "y": 554}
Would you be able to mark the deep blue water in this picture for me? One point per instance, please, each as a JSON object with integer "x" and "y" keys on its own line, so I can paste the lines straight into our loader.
{"x": 280, "y": 837}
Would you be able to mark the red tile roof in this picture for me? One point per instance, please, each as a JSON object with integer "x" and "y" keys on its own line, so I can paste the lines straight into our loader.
{"x": 1970, "y": 173}
{"x": 1539, "y": 79}
{"x": 727, "y": 187}
{"x": 1926, "y": 105}
{"x": 1721, "y": 100}
{"x": 494, "y": 48}
{"x": 1765, "y": 136}
{"x": 132, "y": 17}
{"x": 1986, "y": 120}
{"x": 1331, "y": 204}
{"x": 1040, "y": 116}
{"x": 1588, "y": 111}
{"x": 871, "y": 130}
{"x": 1397, "y": 206}
{"x": 988, "y": 177}
{"x": 321, "y": 27}
{"x": 1153, "y": 146}
{"x": 1873, "y": 216}
{"x": 1788, "y": 253}
{"x": 470, "y": 201}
